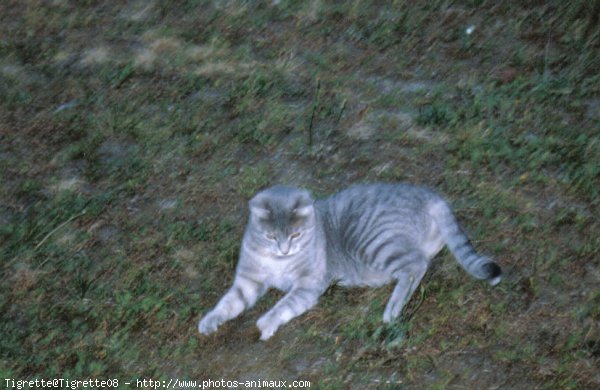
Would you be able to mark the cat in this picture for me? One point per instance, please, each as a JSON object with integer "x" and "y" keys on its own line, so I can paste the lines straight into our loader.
{"x": 366, "y": 235}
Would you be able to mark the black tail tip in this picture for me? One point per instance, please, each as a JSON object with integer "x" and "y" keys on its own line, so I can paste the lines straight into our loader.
{"x": 494, "y": 273}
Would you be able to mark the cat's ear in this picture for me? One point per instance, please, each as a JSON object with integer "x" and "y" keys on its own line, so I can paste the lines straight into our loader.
{"x": 304, "y": 211}
{"x": 304, "y": 205}
{"x": 258, "y": 209}
{"x": 260, "y": 212}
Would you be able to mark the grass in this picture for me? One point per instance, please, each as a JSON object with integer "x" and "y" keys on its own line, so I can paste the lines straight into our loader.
{"x": 131, "y": 138}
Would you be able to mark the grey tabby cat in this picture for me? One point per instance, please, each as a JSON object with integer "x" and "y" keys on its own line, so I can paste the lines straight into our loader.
{"x": 366, "y": 235}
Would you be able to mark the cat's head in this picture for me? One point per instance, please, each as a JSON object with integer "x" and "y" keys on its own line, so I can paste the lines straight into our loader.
{"x": 282, "y": 219}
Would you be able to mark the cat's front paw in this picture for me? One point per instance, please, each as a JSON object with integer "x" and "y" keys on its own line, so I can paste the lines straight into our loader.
{"x": 209, "y": 323}
{"x": 267, "y": 326}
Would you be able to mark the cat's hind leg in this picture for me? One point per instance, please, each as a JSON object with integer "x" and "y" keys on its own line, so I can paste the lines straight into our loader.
{"x": 241, "y": 296}
{"x": 408, "y": 269}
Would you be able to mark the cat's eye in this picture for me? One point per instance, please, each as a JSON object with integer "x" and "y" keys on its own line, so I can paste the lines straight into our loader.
{"x": 295, "y": 235}
{"x": 270, "y": 236}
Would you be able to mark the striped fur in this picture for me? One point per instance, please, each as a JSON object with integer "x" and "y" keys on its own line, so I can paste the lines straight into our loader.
{"x": 366, "y": 235}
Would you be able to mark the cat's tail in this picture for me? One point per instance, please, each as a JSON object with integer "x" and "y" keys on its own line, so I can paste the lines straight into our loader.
{"x": 457, "y": 241}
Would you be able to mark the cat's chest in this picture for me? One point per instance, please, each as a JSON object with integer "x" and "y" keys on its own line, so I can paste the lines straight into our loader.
{"x": 281, "y": 282}
{"x": 281, "y": 274}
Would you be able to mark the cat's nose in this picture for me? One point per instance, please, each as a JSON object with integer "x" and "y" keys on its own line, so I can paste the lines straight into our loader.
{"x": 284, "y": 247}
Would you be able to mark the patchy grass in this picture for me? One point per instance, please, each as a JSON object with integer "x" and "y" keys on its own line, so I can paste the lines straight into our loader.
{"x": 131, "y": 137}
